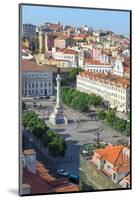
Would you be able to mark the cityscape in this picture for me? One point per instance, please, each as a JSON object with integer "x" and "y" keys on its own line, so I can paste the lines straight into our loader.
{"x": 75, "y": 103}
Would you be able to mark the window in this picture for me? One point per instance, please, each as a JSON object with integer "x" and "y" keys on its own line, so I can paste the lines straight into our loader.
{"x": 45, "y": 84}
{"x": 32, "y": 85}
{"x": 40, "y": 84}
{"x": 36, "y": 85}
{"x": 49, "y": 84}
{"x": 114, "y": 176}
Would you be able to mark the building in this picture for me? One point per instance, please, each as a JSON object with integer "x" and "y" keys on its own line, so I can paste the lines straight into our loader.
{"x": 37, "y": 80}
{"x": 66, "y": 54}
{"x": 125, "y": 182}
{"x": 28, "y": 30}
{"x": 46, "y": 41}
{"x": 114, "y": 161}
{"x": 97, "y": 66}
{"x": 96, "y": 53}
{"x": 114, "y": 89}
{"x": 61, "y": 41}
{"x": 41, "y": 181}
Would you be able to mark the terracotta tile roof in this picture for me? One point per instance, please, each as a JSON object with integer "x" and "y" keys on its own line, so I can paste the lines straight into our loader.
{"x": 61, "y": 37}
{"x": 43, "y": 182}
{"x": 68, "y": 188}
{"x": 107, "y": 78}
{"x": 114, "y": 155}
{"x": 67, "y": 51}
{"x": 38, "y": 184}
{"x": 128, "y": 178}
{"x": 95, "y": 62}
{"x": 31, "y": 66}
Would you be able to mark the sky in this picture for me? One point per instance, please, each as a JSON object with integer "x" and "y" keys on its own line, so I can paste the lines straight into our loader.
{"x": 116, "y": 21}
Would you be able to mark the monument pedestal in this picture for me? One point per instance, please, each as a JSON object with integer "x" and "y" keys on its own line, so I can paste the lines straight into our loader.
{"x": 57, "y": 117}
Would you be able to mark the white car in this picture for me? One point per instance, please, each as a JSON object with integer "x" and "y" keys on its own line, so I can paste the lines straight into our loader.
{"x": 62, "y": 172}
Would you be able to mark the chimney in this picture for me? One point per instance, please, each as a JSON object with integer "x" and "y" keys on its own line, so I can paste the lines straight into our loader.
{"x": 30, "y": 160}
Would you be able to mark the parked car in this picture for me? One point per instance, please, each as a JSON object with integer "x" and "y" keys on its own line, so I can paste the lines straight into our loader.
{"x": 62, "y": 172}
{"x": 74, "y": 178}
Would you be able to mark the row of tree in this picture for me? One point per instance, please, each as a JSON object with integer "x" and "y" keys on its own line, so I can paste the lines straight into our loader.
{"x": 79, "y": 100}
{"x": 55, "y": 143}
{"x": 112, "y": 120}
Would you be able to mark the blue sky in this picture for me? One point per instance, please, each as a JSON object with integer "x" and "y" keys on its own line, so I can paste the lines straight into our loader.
{"x": 117, "y": 21}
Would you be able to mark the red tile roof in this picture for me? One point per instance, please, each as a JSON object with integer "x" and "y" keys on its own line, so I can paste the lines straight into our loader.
{"x": 95, "y": 62}
{"x": 67, "y": 51}
{"x": 115, "y": 155}
{"x": 31, "y": 66}
{"x": 44, "y": 182}
{"x": 68, "y": 188}
{"x": 107, "y": 78}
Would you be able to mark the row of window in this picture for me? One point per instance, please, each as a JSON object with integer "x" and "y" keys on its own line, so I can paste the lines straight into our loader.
{"x": 63, "y": 56}
{"x": 106, "y": 86}
{"x": 34, "y": 75}
{"x": 32, "y": 85}
{"x": 36, "y": 92}
{"x": 115, "y": 102}
{"x": 99, "y": 70}
{"x": 101, "y": 91}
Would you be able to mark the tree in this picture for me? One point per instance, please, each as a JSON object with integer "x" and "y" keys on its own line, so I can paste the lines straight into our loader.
{"x": 128, "y": 129}
{"x": 71, "y": 77}
{"x": 62, "y": 146}
{"x": 120, "y": 124}
{"x": 44, "y": 139}
{"x": 101, "y": 115}
{"x": 129, "y": 116}
{"x": 110, "y": 117}
{"x": 51, "y": 135}
{"x": 53, "y": 148}
{"x": 57, "y": 147}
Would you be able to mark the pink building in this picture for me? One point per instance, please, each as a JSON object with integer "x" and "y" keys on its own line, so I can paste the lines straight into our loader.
{"x": 96, "y": 53}
{"x": 60, "y": 42}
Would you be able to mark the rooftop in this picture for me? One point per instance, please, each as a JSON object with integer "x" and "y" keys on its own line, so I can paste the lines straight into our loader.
{"x": 107, "y": 78}
{"x": 95, "y": 62}
{"x": 44, "y": 182}
{"x": 114, "y": 155}
{"x": 67, "y": 51}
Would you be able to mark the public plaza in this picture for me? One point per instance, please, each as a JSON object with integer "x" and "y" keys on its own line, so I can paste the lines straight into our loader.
{"x": 80, "y": 129}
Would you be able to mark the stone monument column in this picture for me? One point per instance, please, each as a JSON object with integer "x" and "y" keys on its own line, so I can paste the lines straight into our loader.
{"x": 58, "y": 117}
{"x": 58, "y": 79}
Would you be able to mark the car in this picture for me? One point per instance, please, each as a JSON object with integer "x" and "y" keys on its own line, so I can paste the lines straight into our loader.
{"x": 74, "y": 178}
{"x": 47, "y": 97}
{"x": 41, "y": 97}
{"x": 62, "y": 172}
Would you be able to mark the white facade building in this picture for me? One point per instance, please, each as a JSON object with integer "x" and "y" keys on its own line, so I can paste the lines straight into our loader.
{"x": 66, "y": 54}
{"x": 36, "y": 80}
{"x": 105, "y": 59}
{"x": 96, "y": 66}
{"x": 114, "y": 89}
{"x": 118, "y": 68}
